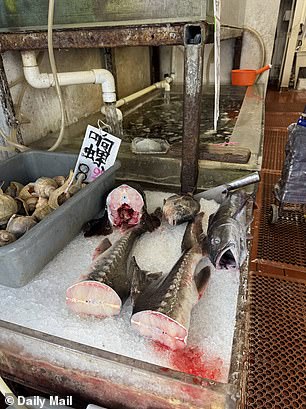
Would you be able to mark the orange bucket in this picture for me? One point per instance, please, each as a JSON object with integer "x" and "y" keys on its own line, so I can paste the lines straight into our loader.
{"x": 247, "y": 77}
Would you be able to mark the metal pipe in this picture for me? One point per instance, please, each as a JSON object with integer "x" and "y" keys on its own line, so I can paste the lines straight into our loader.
{"x": 96, "y": 37}
{"x": 193, "y": 77}
{"x": 218, "y": 193}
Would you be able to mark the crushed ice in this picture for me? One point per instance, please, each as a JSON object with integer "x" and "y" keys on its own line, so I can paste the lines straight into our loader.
{"x": 40, "y": 305}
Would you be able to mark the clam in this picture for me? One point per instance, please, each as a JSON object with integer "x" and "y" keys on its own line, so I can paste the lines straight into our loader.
{"x": 58, "y": 196}
{"x": 42, "y": 209}
{"x": 23, "y": 208}
{"x": 31, "y": 203}
{"x": 6, "y": 238}
{"x": 19, "y": 225}
{"x": 27, "y": 191}
{"x": 75, "y": 187}
{"x": 42, "y": 201}
{"x": 44, "y": 186}
{"x": 8, "y": 207}
{"x": 41, "y": 212}
{"x": 14, "y": 189}
{"x": 60, "y": 180}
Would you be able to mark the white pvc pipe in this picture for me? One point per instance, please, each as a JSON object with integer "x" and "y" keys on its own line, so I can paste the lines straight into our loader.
{"x": 161, "y": 84}
{"x": 96, "y": 76}
{"x": 43, "y": 80}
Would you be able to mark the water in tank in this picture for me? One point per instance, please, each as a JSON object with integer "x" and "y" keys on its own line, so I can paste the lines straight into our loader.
{"x": 33, "y": 14}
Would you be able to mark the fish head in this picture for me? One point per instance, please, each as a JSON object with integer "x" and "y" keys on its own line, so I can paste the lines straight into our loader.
{"x": 180, "y": 209}
{"x": 224, "y": 247}
{"x": 124, "y": 206}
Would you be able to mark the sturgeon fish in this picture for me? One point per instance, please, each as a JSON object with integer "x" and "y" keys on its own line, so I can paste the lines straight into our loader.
{"x": 227, "y": 231}
{"x": 162, "y": 305}
{"x": 180, "y": 209}
{"x": 102, "y": 292}
{"x": 125, "y": 207}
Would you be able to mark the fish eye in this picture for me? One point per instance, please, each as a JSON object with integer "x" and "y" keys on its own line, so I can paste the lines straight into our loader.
{"x": 216, "y": 240}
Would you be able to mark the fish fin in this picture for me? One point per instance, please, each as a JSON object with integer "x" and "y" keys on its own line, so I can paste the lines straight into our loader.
{"x": 249, "y": 211}
{"x": 201, "y": 279}
{"x": 205, "y": 247}
{"x": 158, "y": 212}
{"x": 249, "y": 198}
{"x": 193, "y": 233}
{"x": 152, "y": 221}
{"x": 210, "y": 220}
{"x": 101, "y": 248}
{"x": 140, "y": 279}
{"x": 96, "y": 227}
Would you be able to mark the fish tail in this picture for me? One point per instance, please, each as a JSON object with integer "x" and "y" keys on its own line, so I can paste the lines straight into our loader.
{"x": 194, "y": 233}
{"x": 249, "y": 197}
{"x": 140, "y": 279}
{"x": 205, "y": 247}
{"x": 202, "y": 277}
{"x": 101, "y": 248}
{"x": 96, "y": 227}
{"x": 152, "y": 221}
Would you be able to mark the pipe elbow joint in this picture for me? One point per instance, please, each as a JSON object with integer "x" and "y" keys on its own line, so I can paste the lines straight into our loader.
{"x": 28, "y": 58}
{"x": 35, "y": 78}
{"x": 106, "y": 79}
{"x": 109, "y": 97}
{"x": 167, "y": 87}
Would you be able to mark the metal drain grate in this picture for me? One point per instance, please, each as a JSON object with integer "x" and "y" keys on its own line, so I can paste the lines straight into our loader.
{"x": 274, "y": 149}
{"x": 281, "y": 245}
{"x": 277, "y": 343}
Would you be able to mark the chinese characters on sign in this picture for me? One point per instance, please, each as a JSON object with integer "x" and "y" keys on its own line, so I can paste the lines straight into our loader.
{"x": 98, "y": 153}
{"x": 99, "y": 149}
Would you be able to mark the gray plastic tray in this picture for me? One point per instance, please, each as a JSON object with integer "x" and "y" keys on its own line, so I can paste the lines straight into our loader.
{"x": 22, "y": 260}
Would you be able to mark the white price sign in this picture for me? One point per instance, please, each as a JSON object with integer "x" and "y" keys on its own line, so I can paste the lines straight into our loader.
{"x": 98, "y": 153}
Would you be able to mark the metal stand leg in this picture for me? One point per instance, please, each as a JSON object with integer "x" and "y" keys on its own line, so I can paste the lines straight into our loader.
{"x": 237, "y": 53}
{"x": 7, "y": 112}
{"x": 193, "y": 73}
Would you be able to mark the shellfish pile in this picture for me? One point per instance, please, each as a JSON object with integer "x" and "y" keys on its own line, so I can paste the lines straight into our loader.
{"x": 22, "y": 207}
